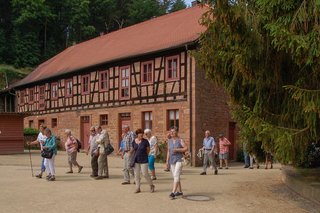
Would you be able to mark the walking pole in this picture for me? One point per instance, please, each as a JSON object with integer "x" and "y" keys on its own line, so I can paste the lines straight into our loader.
{"x": 30, "y": 160}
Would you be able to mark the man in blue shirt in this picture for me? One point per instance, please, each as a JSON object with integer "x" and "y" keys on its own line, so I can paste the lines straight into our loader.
{"x": 208, "y": 153}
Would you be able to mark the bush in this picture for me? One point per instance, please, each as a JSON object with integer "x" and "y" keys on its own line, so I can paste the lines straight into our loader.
{"x": 162, "y": 156}
{"x": 240, "y": 156}
{"x": 30, "y": 131}
{"x": 312, "y": 156}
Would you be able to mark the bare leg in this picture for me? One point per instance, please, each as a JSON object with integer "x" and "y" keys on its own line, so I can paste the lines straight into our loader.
{"x": 220, "y": 163}
{"x": 226, "y": 162}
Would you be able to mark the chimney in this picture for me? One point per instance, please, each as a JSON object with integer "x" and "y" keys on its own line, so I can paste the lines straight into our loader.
{"x": 195, "y": 3}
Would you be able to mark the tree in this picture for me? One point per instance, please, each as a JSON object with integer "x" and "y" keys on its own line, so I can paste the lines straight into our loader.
{"x": 266, "y": 55}
{"x": 177, "y": 5}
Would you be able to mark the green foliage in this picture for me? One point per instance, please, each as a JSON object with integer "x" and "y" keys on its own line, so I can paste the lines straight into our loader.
{"x": 30, "y": 131}
{"x": 178, "y": 5}
{"x": 9, "y": 74}
{"x": 266, "y": 55}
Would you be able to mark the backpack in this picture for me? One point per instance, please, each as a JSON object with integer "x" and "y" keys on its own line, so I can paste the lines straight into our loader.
{"x": 79, "y": 145}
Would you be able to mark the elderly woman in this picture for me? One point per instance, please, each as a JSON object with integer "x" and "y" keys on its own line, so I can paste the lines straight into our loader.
{"x": 176, "y": 148}
{"x": 141, "y": 147}
{"x": 102, "y": 141}
{"x": 71, "y": 147}
{"x": 50, "y": 144}
{"x": 153, "y": 152}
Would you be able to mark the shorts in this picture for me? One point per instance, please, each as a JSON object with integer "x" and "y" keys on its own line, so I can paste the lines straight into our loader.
{"x": 151, "y": 162}
{"x": 224, "y": 156}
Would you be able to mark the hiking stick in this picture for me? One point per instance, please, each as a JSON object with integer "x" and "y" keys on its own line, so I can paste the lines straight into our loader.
{"x": 30, "y": 160}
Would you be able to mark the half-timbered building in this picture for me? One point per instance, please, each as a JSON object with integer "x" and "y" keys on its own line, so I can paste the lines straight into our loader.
{"x": 143, "y": 75}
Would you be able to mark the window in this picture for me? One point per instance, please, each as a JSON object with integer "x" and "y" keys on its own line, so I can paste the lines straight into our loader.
{"x": 125, "y": 77}
{"x": 103, "y": 120}
{"x": 85, "y": 84}
{"x": 40, "y": 122}
{"x": 68, "y": 87}
{"x": 147, "y": 120}
{"x": 54, "y": 91}
{"x": 31, "y": 125}
{"x": 147, "y": 72}
{"x": 21, "y": 98}
{"x": 172, "y": 68}
{"x": 54, "y": 122}
{"x": 42, "y": 96}
{"x": 103, "y": 80}
{"x": 173, "y": 118}
{"x": 31, "y": 95}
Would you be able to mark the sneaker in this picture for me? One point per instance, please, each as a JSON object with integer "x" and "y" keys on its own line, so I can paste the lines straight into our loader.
{"x": 52, "y": 178}
{"x": 137, "y": 191}
{"x": 48, "y": 177}
{"x": 167, "y": 170}
{"x": 227, "y": 168}
{"x": 203, "y": 173}
{"x": 251, "y": 167}
{"x": 125, "y": 183}
{"x": 258, "y": 167}
{"x": 215, "y": 172}
{"x": 69, "y": 172}
{"x": 220, "y": 167}
{"x": 172, "y": 195}
{"x": 93, "y": 176}
{"x": 152, "y": 188}
{"x": 98, "y": 178}
{"x": 246, "y": 167}
{"x": 39, "y": 176}
{"x": 80, "y": 169}
{"x": 178, "y": 194}
{"x": 105, "y": 176}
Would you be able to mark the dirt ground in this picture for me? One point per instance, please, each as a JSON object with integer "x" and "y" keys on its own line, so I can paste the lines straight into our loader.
{"x": 233, "y": 190}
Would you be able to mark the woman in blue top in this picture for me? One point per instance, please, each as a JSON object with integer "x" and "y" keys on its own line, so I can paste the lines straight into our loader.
{"x": 50, "y": 144}
{"x": 142, "y": 148}
{"x": 176, "y": 148}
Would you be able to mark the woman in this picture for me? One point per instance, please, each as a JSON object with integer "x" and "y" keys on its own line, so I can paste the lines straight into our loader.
{"x": 176, "y": 148}
{"x": 50, "y": 144}
{"x": 224, "y": 150}
{"x": 71, "y": 147}
{"x": 142, "y": 148}
{"x": 153, "y": 152}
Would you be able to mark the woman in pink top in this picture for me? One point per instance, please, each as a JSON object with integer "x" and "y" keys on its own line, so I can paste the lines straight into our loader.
{"x": 71, "y": 147}
{"x": 224, "y": 150}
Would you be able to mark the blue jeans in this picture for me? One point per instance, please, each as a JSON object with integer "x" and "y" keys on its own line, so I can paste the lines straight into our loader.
{"x": 246, "y": 159}
{"x": 43, "y": 168}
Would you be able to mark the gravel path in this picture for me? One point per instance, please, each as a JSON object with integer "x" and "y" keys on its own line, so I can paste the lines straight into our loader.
{"x": 233, "y": 190}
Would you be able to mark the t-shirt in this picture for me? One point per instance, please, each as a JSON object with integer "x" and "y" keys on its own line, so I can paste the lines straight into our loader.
{"x": 41, "y": 138}
{"x": 153, "y": 141}
{"x": 223, "y": 144}
{"x": 141, "y": 155}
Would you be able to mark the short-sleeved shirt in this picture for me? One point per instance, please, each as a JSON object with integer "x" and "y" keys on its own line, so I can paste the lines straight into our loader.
{"x": 153, "y": 141}
{"x": 208, "y": 143}
{"x": 93, "y": 144}
{"x": 41, "y": 139}
{"x": 128, "y": 138}
{"x": 222, "y": 144}
{"x": 141, "y": 155}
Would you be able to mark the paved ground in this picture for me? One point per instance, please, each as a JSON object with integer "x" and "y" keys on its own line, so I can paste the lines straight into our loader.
{"x": 233, "y": 190}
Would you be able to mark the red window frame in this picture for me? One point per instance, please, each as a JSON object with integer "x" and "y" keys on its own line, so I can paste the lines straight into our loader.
{"x": 85, "y": 84}
{"x": 21, "y": 98}
{"x": 104, "y": 80}
{"x": 68, "y": 90}
{"x": 54, "y": 92}
{"x": 31, "y": 95}
{"x": 169, "y": 68}
{"x": 124, "y": 82}
{"x": 103, "y": 119}
{"x": 54, "y": 122}
{"x": 42, "y": 97}
{"x": 175, "y": 119}
{"x": 147, "y": 119}
{"x": 147, "y": 72}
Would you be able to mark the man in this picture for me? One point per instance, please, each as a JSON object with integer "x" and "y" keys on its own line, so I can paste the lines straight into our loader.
{"x": 102, "y": 141}
{"x": 93, "y": 149}
{"x": 40, "y": 140}
{"x": 128, "y": 138}
{"x": 208, "y": 153}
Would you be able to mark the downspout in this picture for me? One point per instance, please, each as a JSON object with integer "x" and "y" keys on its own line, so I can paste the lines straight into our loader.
{"x": 190, "y": 104}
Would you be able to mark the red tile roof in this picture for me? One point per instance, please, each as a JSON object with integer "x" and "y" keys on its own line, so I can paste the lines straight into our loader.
{"x": 164, "y": 32}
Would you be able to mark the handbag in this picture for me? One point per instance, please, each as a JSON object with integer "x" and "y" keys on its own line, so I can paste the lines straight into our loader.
{"x": 47, "y": 153}
{"x": 108, "y": 149}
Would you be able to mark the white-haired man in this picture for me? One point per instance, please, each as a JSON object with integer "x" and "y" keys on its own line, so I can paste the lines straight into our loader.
{"x": 128, "y": 138}
{"x": 209, "y": 153}
{"x": 71, "y": 147}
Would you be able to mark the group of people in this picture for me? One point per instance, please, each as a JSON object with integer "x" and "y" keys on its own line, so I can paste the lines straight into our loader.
{"x": 138, "y": 151}
{"x": 210, "y": 150}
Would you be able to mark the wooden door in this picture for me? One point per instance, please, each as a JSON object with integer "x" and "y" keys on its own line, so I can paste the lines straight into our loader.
{"x": 85, "y": 131}
{"x": 232, "y": 131}
{"x": 124, "y": 119}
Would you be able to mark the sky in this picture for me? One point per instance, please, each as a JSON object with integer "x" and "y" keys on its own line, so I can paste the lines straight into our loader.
{"x": 188, "y": 2}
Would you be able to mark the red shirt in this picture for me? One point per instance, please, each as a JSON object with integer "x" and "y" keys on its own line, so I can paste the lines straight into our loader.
{"x": 224, "y": 145}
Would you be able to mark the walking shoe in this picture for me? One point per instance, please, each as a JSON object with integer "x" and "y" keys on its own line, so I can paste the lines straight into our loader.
{"x": 38, "y": 176}
{"x": 125, "y": 183}
{"x": 203, "y": 173}
{"x": 178, "y": 194}
{"x": 215, "y": 172}
{"x": 258, "y": 167}
{"x": 227, "y": 168}
{"x": 137, "y": 191}
{"x": 93, "y": 176}
{"x": 69, "y": 172}
{"x": 48, "y": 177}
{"x": 153, "y": 178}
{"x": 220, "y": 167}
{"x": 105, "y": 176}
{"x": 80, "y": 169}
{"x": 246, "y": 166}
{"x": 172, "y": 195}
{"x": 251, "y": 167}
{"x": 52, "y": 178}
{"x": 98, "y": 178}
{"x": 152, "y": 188}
